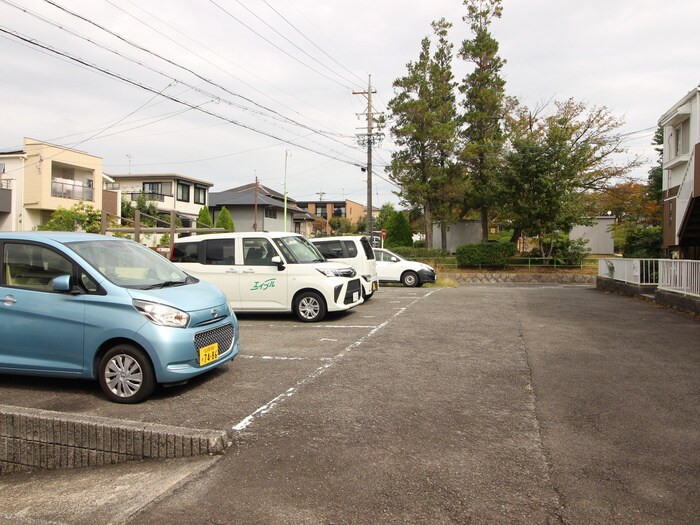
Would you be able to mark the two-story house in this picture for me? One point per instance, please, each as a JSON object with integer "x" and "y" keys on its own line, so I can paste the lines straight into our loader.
{"x": 254, "y": 207}
{"x": 169, "y": 191}
{"x": 41, "y": 178}
{"x": 681, "y": 177}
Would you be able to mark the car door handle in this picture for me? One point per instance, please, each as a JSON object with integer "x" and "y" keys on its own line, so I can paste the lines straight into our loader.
{"x": 231, "y": 270}
{"x": 9, "y": 299}
{"x": 248, "y": 270}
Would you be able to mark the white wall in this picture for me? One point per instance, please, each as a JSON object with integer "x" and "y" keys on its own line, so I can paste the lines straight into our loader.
{"x": 599, "y": 236}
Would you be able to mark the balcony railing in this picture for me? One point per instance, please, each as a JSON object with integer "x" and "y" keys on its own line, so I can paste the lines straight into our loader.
{"x": 72, "y": 190}
{"x": 160, "y": 197}
{"x": 673, "y": 275}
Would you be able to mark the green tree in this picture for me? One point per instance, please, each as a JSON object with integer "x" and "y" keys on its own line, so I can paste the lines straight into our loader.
{"x": 81, "y": 217}
{"x": 386, "y": 212}
{"x": 225, "y": 221}
{"x": 148, "y": 210}
{"x": 340, "y": 225}
{"x": 398, "y": 231}
{"x": 655, "y": 180}
{"x": 204, "y": 218}
{"x": 484, "y": 94}
{"x": 553, "y": 162}
{"x": 425, "y": 130}
{"x": 360, "y": 225}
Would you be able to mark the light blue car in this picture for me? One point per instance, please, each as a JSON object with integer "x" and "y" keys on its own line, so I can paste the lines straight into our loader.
{"x": 98, "y": 307}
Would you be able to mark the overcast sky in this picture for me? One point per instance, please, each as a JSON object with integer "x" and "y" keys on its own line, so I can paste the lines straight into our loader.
{"x": 225, "y": 90}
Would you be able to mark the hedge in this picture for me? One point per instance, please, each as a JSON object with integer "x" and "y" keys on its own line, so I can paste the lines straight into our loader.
{"x": 484, "y": 254}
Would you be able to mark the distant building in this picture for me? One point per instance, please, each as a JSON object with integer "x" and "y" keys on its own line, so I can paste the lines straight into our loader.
{"x": 352, "y": 210}
{"x": 255, "y": 207}
{"x": 41, "y": 178}
{"x": 599, "y": 235}
{"x": 681, "y": 177}
{"x": 458, "y": 233}
{"x": 169, "y": 191}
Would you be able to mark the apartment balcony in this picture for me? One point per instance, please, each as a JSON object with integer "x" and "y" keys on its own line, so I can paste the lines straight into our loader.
{"x": 72, "y": 189}
{"x": 5, "y": 196}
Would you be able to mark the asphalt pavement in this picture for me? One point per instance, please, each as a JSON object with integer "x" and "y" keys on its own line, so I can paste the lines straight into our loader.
{"x": 481, "y": 404}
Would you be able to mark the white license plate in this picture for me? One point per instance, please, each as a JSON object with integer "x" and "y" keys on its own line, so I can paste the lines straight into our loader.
{"x": 355, "y": 297}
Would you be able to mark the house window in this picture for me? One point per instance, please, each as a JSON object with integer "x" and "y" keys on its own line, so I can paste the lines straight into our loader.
{"x": 271, "y": 213}
{"x": 183, "y": 192}
{"x": 681, "y": 140}
{"x": 200, "y": 195}
{"x": 153, "y": 187}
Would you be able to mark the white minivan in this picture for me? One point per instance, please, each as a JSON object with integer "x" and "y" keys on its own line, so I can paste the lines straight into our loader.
{"x": 270, "y": 272}
{"x": 356, "y": 251}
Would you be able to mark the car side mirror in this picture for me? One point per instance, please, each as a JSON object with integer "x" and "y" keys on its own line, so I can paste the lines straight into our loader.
{"x": 394, "y": 259}
{"x": 62, "y": 283}
{"x": 278, "y": 261}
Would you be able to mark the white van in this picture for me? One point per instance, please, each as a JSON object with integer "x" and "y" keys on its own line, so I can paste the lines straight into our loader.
{"x": 270, "y": 272}
{"x": 356, "y": 251}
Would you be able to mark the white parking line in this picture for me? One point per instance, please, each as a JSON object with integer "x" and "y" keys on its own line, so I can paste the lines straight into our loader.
{"x": 283, "y": 358}
{"x": 267, "y": 407}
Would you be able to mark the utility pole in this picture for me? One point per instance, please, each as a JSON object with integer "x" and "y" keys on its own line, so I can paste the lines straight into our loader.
{"x": 287, "y": 154}
{"x": 320, "y": 195}
{"x": 369, "y": 139}
{"x": 255, "y": 220}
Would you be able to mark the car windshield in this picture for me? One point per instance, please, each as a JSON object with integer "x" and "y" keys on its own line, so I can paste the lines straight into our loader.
{"x": 297, "y": 250}
{"x": 130, "y": 264}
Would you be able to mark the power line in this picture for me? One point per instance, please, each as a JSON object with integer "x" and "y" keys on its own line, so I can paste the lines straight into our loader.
{"x": 292, "y": 43}
{"x": 276, "y": 46}
{"x": 225, "y": 58}
{"x": 167, "y": 60}
{"x": 169, "y": 97}
{"x": 361, "y": 81}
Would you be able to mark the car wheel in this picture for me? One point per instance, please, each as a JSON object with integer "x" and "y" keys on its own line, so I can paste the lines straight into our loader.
{"x": 309, "y": 307}
{"x": 126, "y": 375}
{"x": 366, "y": 296}
{"x": 410, "y": 279}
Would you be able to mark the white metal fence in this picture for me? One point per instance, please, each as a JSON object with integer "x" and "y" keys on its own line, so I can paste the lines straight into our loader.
{"x": 674, "y": 275}
{"x": 680, "y": 276}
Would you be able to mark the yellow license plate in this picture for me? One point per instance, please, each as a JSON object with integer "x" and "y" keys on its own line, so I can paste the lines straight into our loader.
{"x": 208, "y": 353}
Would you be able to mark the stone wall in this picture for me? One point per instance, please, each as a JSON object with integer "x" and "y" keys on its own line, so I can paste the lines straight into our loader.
{"x": 516, "y": 277}
{"x": 32, "y": 439}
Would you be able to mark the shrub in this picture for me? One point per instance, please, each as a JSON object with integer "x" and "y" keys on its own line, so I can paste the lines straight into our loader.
{"x": 484, "y": 254}
{"x": 644, "y": 243}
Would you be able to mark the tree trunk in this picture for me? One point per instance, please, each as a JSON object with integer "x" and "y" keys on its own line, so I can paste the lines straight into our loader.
{"x": 443, "y": 234}
{"x": 484, "y": 224}
{"x": 427, "y": 215}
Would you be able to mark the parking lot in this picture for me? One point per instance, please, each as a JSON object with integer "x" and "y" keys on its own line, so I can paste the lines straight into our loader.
{"x": 482, "y": 404}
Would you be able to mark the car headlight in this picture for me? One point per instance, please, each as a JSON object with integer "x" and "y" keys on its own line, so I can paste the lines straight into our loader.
{"x": 162, "y": 315}
{"x": 339, "y": 272}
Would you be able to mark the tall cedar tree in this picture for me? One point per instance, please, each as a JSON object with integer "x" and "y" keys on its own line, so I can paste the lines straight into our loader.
{"x": 424, "y": 115}
{"x": 484, "y": 94}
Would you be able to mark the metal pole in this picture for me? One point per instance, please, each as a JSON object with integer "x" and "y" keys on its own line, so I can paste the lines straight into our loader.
{"x": 286, "y": 154}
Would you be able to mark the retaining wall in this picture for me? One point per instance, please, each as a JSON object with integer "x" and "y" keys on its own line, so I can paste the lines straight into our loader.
{"x": 31, "y": 438}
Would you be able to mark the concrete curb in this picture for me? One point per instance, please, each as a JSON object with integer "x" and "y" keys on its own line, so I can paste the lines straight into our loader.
{"x": 32, "y": 439}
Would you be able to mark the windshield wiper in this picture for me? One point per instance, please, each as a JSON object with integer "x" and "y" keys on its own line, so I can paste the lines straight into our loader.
{"x": 165, "y": 284}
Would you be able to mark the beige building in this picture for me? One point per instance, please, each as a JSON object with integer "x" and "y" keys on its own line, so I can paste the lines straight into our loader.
{"x": 354, "y": 211}
{"x": 43, "y": 177}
